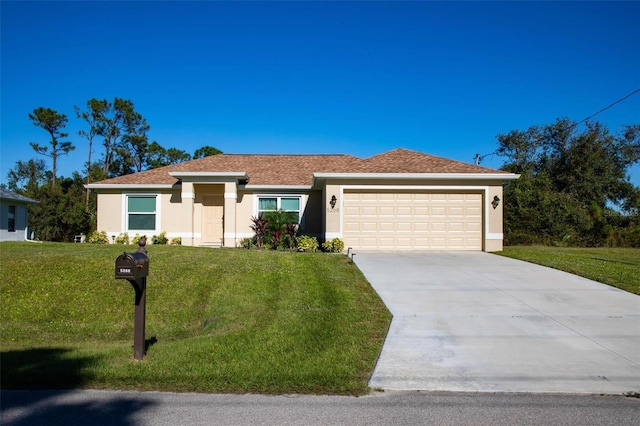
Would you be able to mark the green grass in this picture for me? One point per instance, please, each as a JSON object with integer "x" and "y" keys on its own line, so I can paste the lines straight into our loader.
{"x": 617, "y": 267}
{"x": 218, "y": 320}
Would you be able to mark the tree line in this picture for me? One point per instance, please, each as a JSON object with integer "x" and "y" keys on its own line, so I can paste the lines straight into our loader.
{"x": 574, "y": 187}
{"x": 66, "y": 208}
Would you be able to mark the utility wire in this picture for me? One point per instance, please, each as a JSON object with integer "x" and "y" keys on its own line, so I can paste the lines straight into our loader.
{"x": 478, "y": 158}
{"x": 604, "y": 109}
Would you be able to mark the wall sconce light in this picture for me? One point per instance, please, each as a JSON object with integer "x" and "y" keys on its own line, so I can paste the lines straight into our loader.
{"x": 333, "y": 201}
{"x": 496, "y": 201}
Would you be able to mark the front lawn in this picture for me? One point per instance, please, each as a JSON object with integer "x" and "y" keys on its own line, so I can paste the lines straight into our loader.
{"x": 218, "y": 320}
{"x": 617, "y": 267}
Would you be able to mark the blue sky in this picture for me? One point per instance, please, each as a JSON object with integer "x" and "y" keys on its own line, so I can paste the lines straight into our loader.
{"x": 319, "y": 77}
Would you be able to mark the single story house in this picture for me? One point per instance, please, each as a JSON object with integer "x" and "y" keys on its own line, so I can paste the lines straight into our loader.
{"x": 14, "y": 215}
{"x": 399, "y": 199}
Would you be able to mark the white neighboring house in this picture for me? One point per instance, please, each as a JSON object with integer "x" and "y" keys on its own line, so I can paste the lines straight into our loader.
{"x": 13, "y": 216}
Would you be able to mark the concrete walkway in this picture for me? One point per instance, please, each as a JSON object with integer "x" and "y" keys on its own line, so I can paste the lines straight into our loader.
{"x": 473, "y": 321}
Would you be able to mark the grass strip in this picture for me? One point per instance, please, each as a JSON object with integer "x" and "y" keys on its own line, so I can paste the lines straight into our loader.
{"x": 617, "y": 267}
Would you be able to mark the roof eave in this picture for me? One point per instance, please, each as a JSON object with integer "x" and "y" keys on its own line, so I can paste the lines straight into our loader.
{"x": 420, "y": 176}
{"x": 208, "y": 176}
{"x": 277, "y": 187}
{"x": 130, "y": 186}
{"x": 19, "y": 200}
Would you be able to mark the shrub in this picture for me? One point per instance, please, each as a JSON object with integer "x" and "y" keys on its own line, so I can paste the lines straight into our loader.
{"x": 291, "y": 230}
{"x": 98, "y": 238}
{"x": 160, "y": 239}
{"x": 307, "y": 243}
{"x": 333, "y": 246}
{"x": 177, "y": 241}
{"x": 247, "y": 243}
{"x": 136, "y": 238}
{"x": 122, "y": 238}
{"x": 259, "y": 225}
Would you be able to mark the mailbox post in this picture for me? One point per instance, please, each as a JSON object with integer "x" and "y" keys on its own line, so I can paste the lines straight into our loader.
{"x": 134, "y": 267}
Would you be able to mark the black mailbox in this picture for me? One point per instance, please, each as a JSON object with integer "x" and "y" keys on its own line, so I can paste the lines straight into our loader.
{"x": 132, "y": 266}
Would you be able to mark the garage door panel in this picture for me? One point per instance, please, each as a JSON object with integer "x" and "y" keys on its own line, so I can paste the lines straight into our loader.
{"x": 351, "y": 210}
{"x": 421, "y": 210}
{"x": 368, "y": 211}
{"x": 418, "y": 220}
{"x": 439, "y": 227}
{"x": 404, "y": 211}
{"x": 456, "y": 227}
{"x": 421, "y": 227}
{"x": 386, "y": 227}
{"x": 369, "y": 227}
{"x": 404, "y": 227}
{"x": 386, "y": 211}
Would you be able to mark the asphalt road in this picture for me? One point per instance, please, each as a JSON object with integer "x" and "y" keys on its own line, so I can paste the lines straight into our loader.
{"x": 90, "y": 407}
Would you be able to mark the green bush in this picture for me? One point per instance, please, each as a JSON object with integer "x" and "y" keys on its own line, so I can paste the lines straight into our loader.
{"x": 247, "y": 242}
{"x": 160, "y": 239}
{"x": 122, "y": 238}
{"x": 177, "y": 241}
{"x": 136, "y": 238}
{"x": 307, "y": 243}
{"x": 98, "y": 238}
{"x": 333, "y": 246}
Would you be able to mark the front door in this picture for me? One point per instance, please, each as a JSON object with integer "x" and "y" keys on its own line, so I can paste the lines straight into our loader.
{"x": 212, "y": 219}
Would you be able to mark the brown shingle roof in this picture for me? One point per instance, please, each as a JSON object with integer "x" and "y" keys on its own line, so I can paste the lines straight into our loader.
{"x": 275, "y": 169}
{"x": 406, "y": 161}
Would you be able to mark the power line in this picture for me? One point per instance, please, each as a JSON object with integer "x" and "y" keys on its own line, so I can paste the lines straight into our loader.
{"x": 606, "y": 108}
{"x": 478, "y": 158}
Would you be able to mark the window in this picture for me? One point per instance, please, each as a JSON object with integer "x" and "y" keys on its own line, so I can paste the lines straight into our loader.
{"x": 11, "y": 219}
{"x": 287, "y": 204}
{"x": 141, "y": 212}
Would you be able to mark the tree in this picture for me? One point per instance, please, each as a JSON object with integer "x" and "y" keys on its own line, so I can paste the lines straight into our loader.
{"x": 123, "y": 130}
{"x": 28, "y": 177}
{"x": 570, "y": 182}
{"x": 135, "y": 152}
{"x": 206, "y": 151}
{"x": 53, "y": 122}
{"x": 61, "y": 213}
{"x": 158, "y": 156}
{"x": 94, "y": 116}
{"x": 176, "y": 156}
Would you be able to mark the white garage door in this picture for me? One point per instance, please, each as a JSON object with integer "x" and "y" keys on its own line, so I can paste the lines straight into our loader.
{"x": 412, "y": 220}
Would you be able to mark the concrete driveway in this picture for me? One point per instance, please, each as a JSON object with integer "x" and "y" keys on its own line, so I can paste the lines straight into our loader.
{"x": 473, "y": 321}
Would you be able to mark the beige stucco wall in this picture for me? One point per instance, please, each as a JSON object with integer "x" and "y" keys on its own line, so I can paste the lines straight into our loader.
{"x": 112, "y": 213}
{"x": 244, "y": 212}
{"x": 495, "y": 230}
{"x": 312, "y": 215}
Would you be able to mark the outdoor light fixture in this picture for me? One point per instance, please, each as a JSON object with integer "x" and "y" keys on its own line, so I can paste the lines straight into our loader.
{"x": 113, "y": 239}
{"x": 496, "y": 201}
{"x": 333, "y": 201}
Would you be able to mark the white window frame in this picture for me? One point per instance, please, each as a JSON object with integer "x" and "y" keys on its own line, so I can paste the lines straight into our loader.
{"x": 301, "y": 203}
{"x": 125, "y": 213}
